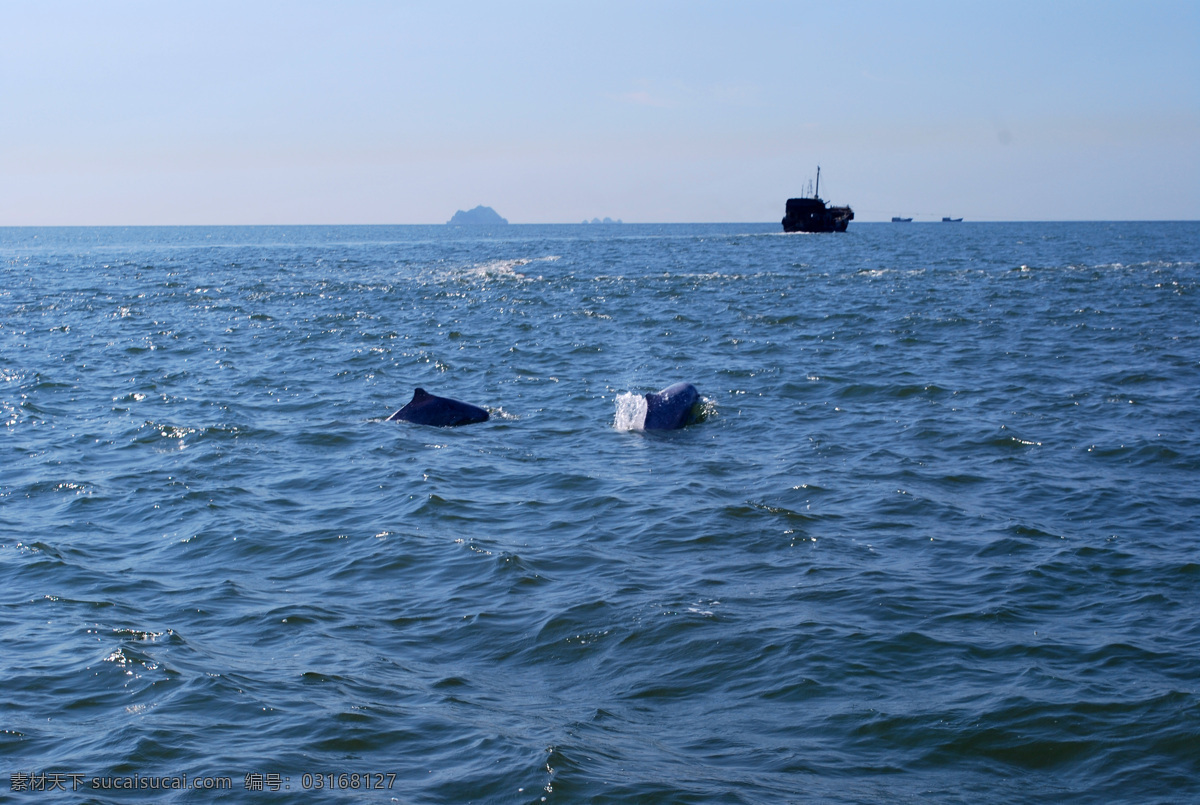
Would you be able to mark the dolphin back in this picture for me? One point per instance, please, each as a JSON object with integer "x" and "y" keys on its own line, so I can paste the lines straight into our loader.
{"x": 441, "y": 412}
{"x": 672, "y": 408}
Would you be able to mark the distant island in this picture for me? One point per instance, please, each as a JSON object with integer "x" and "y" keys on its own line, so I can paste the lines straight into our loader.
{"x": 605, "y": 221}
{"x": 480, "y": 216}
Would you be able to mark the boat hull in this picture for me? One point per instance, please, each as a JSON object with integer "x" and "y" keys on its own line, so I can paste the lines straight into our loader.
{"x": 812, "y": 215}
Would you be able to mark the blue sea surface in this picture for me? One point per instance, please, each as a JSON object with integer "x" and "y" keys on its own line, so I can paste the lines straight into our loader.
{"x": 935, "y": 540}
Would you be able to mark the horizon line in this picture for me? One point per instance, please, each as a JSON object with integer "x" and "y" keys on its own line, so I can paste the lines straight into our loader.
{"x": 611, "y": 224}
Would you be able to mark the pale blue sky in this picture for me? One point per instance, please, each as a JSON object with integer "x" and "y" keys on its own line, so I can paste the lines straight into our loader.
{"x": 385, "y": 112}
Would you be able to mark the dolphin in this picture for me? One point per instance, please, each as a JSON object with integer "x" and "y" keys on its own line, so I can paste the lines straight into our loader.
{"x": 672, "y": 408}
{"x": 442, "y": 412}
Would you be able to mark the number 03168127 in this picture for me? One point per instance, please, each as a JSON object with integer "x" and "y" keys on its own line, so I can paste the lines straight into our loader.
{"x": 353, "y": 780}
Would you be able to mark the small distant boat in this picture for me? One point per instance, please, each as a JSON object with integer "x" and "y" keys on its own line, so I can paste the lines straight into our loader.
{"x": 813, "y": 215}
{"x": 896, "y": 219}
{"x": 949, "y": 220}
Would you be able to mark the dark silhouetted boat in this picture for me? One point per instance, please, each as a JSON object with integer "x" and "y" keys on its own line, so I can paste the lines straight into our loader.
{"x": 949, "y": 220}
{"x": 896, "y": 219}
{"x": 813, "y": 215}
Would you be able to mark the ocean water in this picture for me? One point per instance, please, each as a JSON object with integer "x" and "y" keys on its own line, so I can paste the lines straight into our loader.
{"x": 936, "y": 538}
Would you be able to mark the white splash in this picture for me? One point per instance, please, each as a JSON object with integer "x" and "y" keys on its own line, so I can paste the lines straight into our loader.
{"x": 507, "y": 269}
{"x": 631, "y": 412}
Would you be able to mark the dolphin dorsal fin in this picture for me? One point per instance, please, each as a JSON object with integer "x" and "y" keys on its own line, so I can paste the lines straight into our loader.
{"x": 420, "y": 394}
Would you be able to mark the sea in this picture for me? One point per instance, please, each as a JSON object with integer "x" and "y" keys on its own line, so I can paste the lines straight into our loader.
{"x": 934, "y": 536}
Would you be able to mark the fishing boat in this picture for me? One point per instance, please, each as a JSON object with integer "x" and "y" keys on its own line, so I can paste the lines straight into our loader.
{"x": 896, "y": 219}
{"x": 812, "y": 214}
{"x": 949, "y": 220}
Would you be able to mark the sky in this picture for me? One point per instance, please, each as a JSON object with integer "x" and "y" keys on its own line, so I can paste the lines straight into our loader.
{"x": 360, "y": 112}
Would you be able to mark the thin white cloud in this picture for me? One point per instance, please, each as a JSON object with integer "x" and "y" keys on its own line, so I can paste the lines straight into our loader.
{"x": 738, "y": 94}
{"x": 643, "y": 97}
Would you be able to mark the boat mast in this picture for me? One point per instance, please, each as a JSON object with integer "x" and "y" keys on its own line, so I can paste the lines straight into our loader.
{"x": 817, "y": 192}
